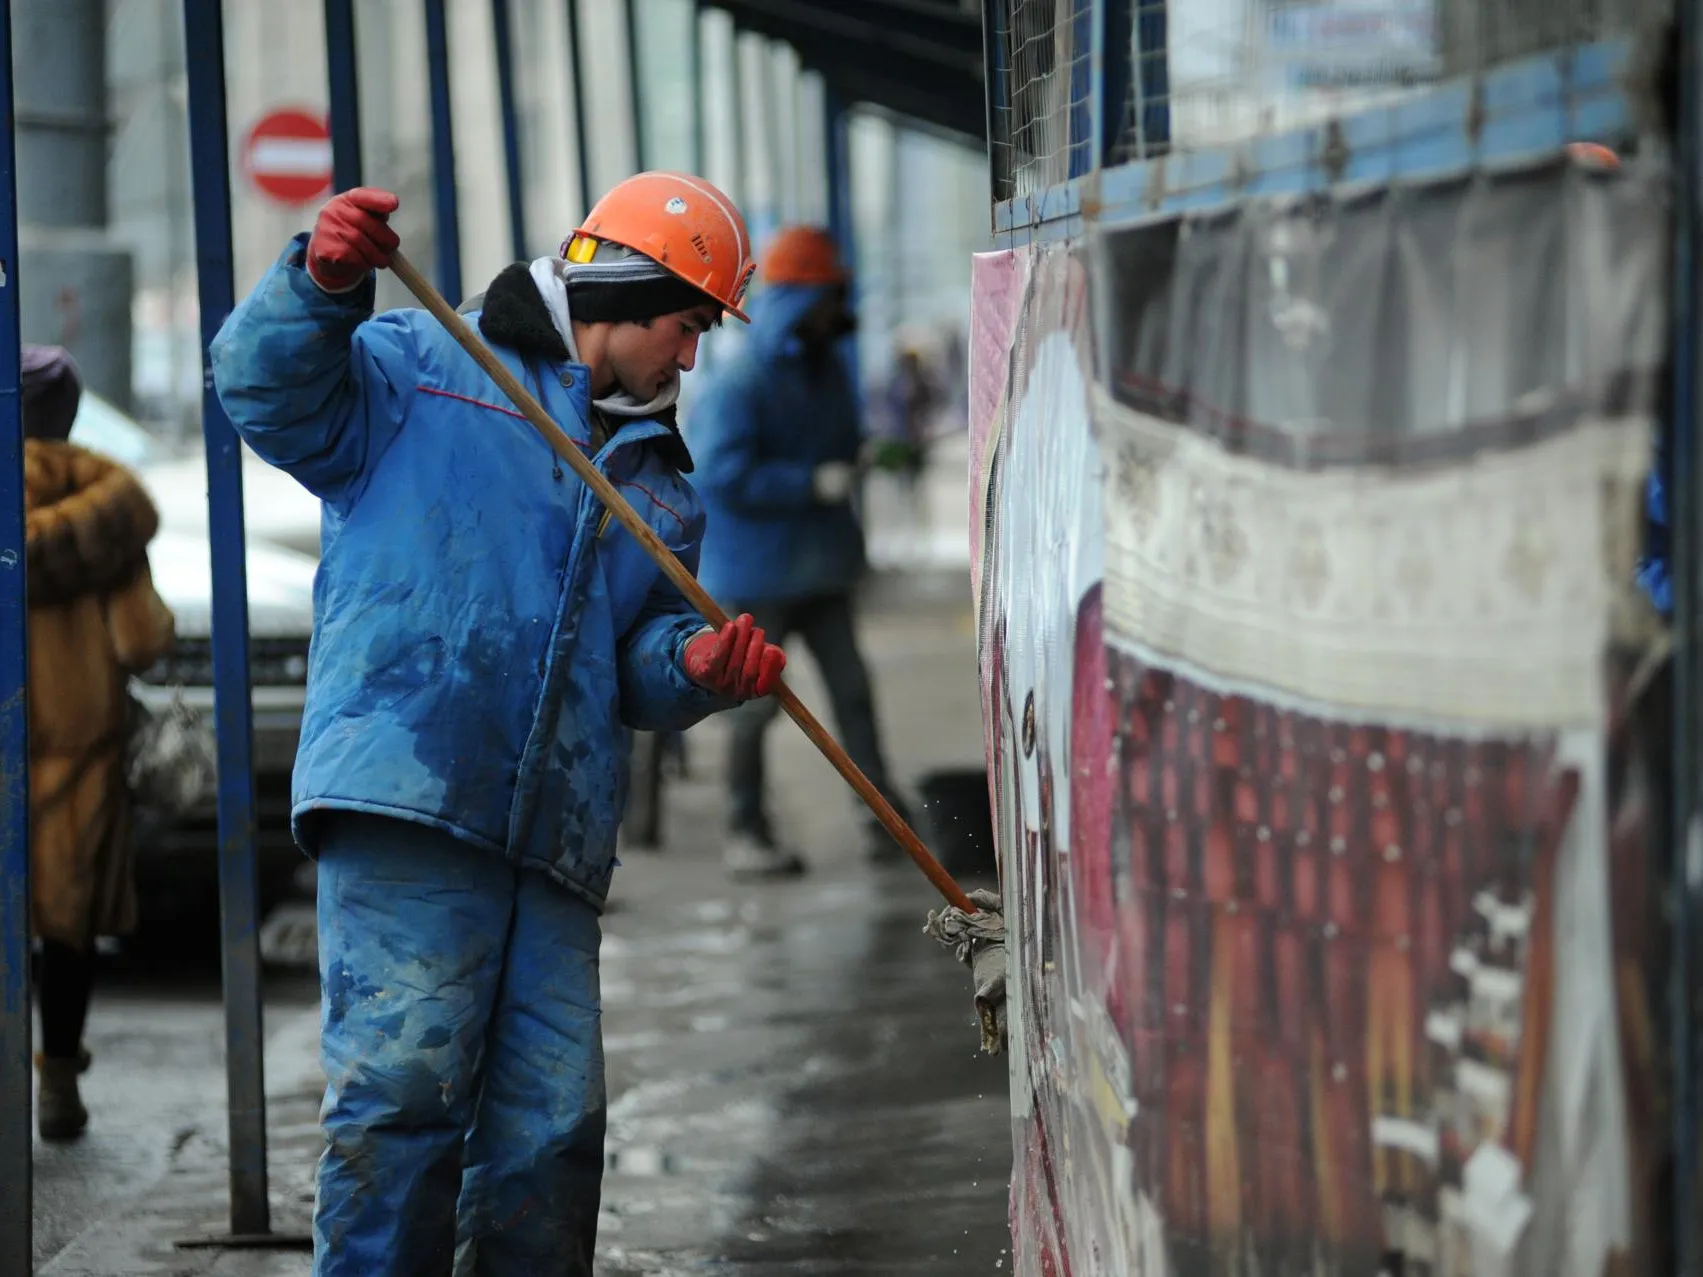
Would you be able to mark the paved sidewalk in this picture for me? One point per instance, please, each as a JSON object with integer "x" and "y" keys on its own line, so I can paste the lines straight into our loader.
{"x": 793, "y": 1072}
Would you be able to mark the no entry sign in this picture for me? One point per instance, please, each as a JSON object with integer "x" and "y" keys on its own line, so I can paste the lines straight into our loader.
{"x": 287, "y": 155}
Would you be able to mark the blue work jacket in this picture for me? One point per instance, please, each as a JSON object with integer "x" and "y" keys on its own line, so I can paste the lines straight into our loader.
{"x": 485, "y": 635}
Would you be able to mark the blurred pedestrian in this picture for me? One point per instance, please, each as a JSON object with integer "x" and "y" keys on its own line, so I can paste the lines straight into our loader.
{"x": 484, "y": 637}
{"x": 779, "y": 443}
{"x": 912, "y": 403}
{"x": 94, "y": 619}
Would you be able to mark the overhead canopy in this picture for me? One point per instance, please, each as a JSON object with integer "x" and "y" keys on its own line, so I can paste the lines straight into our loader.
{"x": 921, "y": 58}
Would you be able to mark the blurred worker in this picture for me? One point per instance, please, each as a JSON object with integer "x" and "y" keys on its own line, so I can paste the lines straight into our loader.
{"x": 912, "y": 402}
{"x": 778, "y": 442}
{"x": 94, "y": 619}
{"x": 484, "y": 633}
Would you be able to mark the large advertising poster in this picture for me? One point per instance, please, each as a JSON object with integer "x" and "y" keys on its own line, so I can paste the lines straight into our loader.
{"x": 1319, "y": 712}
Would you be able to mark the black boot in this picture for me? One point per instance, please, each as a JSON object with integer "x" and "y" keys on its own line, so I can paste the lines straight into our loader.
{"x": 60, "y": 1114}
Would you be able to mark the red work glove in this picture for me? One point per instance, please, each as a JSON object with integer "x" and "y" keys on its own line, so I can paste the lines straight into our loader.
{"x": 736, "y": 662}
{"x": 351, "y": 238}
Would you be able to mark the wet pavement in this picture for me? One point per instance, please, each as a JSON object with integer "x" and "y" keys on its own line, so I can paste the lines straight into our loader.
{"x": 793, "y": 1073}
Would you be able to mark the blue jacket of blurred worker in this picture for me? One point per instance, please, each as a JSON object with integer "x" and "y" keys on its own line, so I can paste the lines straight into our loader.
{"x": 777, "y": 437}
{"x": 778, "y": 441}
{"x": 484, "y": 637}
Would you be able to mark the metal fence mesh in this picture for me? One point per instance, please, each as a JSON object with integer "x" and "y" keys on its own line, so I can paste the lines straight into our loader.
{"x": 1210, "y": 73}
{"x": 1042, "y": 125}
{"x": 1230, "y": 70}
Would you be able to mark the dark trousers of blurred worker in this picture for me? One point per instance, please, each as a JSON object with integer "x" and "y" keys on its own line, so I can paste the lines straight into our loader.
{"x": 828, "y": 627}
{"x": 462, "y": 1041}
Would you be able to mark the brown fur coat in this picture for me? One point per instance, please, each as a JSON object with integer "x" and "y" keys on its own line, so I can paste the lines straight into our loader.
{"x": 94, "y": 619}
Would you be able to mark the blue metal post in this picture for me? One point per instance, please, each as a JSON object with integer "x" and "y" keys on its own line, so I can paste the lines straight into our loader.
{"x": 15, "y": 1197}
{"x": 842, "y": 225}
{"x": 1153, "y": 76}
{"x": 504, "y": 40}
{"x": 443, "y": 154}
{"x": 995, "y": 61}
{"x": 1114, "y": 74}
{"x": 837, "y": 154}
{"x": 340, "y": 66}
{"x": 635, "y": 84}
{"x": 1085, "y": 87}
{"x": 736, "y": 100}
{"x": 209, "y": 151}
{"x": 700, "y": 117}
{"x": 582, "y": 127}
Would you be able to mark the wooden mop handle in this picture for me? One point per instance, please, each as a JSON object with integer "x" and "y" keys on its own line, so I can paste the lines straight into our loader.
{"x": 675, "y": 570}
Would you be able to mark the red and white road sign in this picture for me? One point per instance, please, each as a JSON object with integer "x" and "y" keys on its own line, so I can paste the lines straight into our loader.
{"x": 287, "y": 155}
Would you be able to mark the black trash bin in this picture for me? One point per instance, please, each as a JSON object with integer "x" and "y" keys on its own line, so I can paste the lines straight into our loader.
{"x": 958, "y": 821}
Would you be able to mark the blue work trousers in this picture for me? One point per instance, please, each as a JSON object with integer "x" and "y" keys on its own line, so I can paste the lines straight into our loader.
{"x": 464, "y": 1109}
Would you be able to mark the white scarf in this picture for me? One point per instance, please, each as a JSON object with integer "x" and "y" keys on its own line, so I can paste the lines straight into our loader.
{"x": 547, "y": 274}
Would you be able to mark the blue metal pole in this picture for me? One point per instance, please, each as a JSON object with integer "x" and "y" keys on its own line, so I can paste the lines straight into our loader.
{"x": 443, "y": 155}
{"x": 1114, "y": 73}
{"x": 1685, "y": 509}
{"x": 994, "y": 63}
{"x": 340, "y": 64}
{"x": 841, "y": 222}
{"x": 837, "y": 153}
{"x": 1153, "y": 76}
{"x": 700, "y": 118}
{"x": 1085, "y": 86}
{"x": 582, "y": 127}
{"x": 504, "y": 40}
{"x": 209, "y": 151}
{"x": 635, "y": 83}
{"x": 15, "y": 1197}
{"x": 742, "y": 169}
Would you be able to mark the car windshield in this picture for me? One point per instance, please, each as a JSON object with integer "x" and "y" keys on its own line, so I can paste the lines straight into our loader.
{"x": 103, "y": 428}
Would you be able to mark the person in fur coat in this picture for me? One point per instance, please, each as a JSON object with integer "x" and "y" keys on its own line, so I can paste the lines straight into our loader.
{"x": 94, "y": 619}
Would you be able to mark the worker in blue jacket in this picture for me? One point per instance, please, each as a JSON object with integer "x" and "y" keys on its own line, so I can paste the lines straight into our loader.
{"x": 484, "y": 637}
{"x": 779, "y": 442}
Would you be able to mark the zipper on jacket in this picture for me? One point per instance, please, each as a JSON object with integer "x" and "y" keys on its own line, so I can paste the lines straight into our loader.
{"x": 537, "y": 389}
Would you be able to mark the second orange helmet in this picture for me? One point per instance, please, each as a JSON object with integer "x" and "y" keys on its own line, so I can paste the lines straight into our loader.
{"x": 802, "y": 255}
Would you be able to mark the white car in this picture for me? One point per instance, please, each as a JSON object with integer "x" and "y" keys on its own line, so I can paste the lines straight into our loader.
{"x": 280, "y": 618}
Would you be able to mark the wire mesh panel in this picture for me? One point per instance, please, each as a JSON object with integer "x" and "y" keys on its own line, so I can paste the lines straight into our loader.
{"x": 1042, "y": 62}
{"x": 1218, "y": 72}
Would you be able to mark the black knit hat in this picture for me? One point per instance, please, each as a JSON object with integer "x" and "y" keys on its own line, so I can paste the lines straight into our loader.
{"x": 612, "y": 284}
{"x": 631, "y": 301}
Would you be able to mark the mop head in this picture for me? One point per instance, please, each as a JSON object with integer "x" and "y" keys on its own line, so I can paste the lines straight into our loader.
{"x": 979, "y": 941}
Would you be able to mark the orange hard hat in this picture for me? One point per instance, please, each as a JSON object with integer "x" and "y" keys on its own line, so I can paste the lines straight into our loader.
{"x": 803, "y": 255}
{"x": 683, "y": 223}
